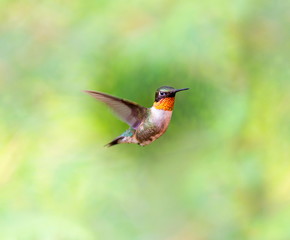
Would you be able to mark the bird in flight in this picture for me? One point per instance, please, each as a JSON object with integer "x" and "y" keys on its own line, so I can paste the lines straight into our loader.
{"x": 146, "y": 124}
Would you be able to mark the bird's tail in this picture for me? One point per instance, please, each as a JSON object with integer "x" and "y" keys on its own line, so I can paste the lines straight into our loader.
{"x": 124, "y": 138}
{"x": 115, "y": 141}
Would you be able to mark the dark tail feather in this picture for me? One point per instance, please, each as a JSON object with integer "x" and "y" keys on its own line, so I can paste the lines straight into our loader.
{"x": 114, "y": 142}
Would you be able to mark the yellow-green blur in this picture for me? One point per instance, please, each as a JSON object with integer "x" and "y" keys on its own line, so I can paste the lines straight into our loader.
{"x": 221, "y": 171}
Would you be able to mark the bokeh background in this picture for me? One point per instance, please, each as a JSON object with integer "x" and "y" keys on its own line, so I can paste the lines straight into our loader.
{"x": 222, "y": 170}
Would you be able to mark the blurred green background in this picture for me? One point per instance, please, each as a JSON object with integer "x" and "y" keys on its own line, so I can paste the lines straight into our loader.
{"x": 222, "y": 170}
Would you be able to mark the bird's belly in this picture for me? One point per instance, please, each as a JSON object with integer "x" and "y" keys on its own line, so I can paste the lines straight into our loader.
{"x": 148, "y": 135}
{"x": 154, "y": 128}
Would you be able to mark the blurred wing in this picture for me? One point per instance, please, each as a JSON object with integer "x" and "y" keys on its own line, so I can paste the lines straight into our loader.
{"x": 127, "y": 111}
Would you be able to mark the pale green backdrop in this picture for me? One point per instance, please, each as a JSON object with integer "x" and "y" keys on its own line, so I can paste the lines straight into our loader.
{"x": 222, "y": 170}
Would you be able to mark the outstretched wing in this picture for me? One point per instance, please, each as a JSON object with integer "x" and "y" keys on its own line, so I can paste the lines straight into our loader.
{"x": 127, "y": 111}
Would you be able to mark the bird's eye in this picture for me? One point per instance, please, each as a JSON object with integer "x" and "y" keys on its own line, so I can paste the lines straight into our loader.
{"x": 162, "y": 93}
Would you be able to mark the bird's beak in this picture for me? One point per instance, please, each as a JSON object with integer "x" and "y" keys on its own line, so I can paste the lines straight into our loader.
{"x": 182, "y": 89}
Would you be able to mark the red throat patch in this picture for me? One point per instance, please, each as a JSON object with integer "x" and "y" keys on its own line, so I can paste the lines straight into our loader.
{"x": 165, "y": 104}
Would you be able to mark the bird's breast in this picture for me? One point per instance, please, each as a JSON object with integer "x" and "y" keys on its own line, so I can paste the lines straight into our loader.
{"x": 153, "y": 127}
{"x": 160, "y": 118}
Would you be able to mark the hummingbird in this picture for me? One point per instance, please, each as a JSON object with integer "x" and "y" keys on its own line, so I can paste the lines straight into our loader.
{"x": 146, "y": 124}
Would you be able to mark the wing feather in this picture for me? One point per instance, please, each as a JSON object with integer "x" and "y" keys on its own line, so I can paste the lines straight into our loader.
{"x": 129, "y": 112}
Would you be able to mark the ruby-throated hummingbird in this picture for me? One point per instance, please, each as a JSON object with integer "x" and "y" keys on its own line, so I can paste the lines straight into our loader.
{"x": 146, "y": 124}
